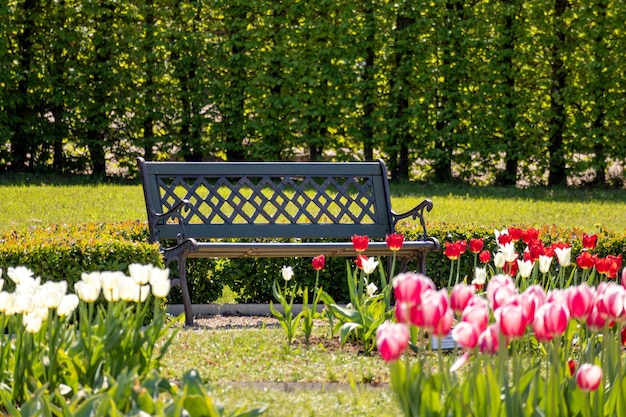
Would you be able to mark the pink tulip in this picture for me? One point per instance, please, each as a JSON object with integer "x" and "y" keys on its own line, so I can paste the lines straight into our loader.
{"x": 595, "y": 321}
{"x": 497, "y": 282}
{"x": 488, "y": 340}
{"x": 512, "y": 321}
{"x": 477, "y": 314}
{"x": 392, "y": 339}
{"x": 610, "y": 301}
{"x": 557, "y": 318}
{"x": 460, "y": 296}
{"x": 588, "y": 377}
{"x": 580, "y": 301}
{"x": 539, "y": 325}
{"x": 409, "y": 286}
{"x": 443, "y": 327}
{"x": 466, "y": 335}
{"x": 434, "y": 306}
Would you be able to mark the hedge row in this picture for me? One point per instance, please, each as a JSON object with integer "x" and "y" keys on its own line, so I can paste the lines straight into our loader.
{"x": 63, "y": 252}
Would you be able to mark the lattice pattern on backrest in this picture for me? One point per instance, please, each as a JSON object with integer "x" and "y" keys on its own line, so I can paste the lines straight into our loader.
{"x": 276, "y": 200}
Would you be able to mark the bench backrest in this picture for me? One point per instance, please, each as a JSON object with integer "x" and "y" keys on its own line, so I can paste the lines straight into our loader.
{"x": 267, "y": 199}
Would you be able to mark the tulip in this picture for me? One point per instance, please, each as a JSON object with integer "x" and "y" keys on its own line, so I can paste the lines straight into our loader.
{"x": 371, "y": 289}
{"x": 477, "y": 314}
{"x": 88, "y": 292}
{"x": 68, "y": 304}
{"x": 7, "y": 303}
{"x": 460, "y": 296}
{"x": 434, "y": 306}
{"x": 556, "y": 318}
{"x": 484, "y": 256}
{"x": 394, "y": 241}
{"x": 392, "y": 339}
{"x": 610, "y": 301}
{"x": 160, "y": 288}
{"x": 589, "y": 241}
{"x": 503, "y": 237}
{"x": 512, "y": 321}
{"x": 529, "y": 235}
{"x": 409, "y": 286}
{"x": 498, "y": 260}
{"x": 586, "y": 260}
{"x": 453, "y": 251}
{"x": 545, "y": 262}
{"x": 140, "y": 273}
{"x": 476, "y": 245}
{"x": 580, "y": 301}
{"x": 287, "y": 273}
{"x": 515, "y": 233}
{"x": 564, "y": 255}
{"x": 318, "y": 262}
{"x": 525, "y": 268}
{"x": 18, "y": 273}
{"x": 508, "y": 250}
{"x": 595, "y": 321}
{"x": 488, "y": 339}
{"x": 588, "y": 377}
{"x": 480, "y": 277}
{"x": 360, "y": 243}
{"x": 369, "y": 265}
{"x": 466, "y": 335}
{"x": 624, "y": 277}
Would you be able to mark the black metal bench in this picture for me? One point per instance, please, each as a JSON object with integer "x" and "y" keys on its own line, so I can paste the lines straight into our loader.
{"x": 199, "y": 206}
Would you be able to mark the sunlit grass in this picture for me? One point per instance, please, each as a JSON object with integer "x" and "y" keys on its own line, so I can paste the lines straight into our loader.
{"x": 41, "y": 205}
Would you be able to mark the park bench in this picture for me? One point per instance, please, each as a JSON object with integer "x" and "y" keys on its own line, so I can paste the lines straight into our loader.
{"x": 272, "y": 209}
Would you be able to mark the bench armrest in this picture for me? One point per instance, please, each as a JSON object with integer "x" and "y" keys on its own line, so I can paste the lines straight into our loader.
{"x": 416, "y": 212}
{"x": 175, "y": 212}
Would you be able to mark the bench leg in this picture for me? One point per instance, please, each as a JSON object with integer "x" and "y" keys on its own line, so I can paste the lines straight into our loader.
{"x": 184, "y": 288}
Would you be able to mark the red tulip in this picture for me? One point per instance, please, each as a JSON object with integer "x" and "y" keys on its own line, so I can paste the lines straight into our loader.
{"x": 504, "y": 238}
{"x": 529, "y": 235}
{"x": 394, "y": 241}
{"x": 466, "y": 335}
{"x": 360, "y": 243}
{"x": 515, "y": 233}
{"x": 586, "y": 260}
{"x": 589, "y": 241}
{"x": 392, "y": 339}
{"x": 484, "y": 256}
{"x": 318, "y": 262}
{"x": 454, "y": 250}
{"x": 443, "y": 327}
{"x": 610, "y": 301}
{"x": 476, "y": 245}
{"x": 359, "y": 260}
{"x": 588, "y": 377}
{"x": 539, "y": 325}
{"x": 572, "y": 365}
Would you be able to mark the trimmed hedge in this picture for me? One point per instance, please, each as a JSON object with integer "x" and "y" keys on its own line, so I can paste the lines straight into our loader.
{"x": 63, "y": 252}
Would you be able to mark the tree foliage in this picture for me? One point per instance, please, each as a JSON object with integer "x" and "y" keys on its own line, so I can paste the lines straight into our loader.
{"x": 489, "y": 91}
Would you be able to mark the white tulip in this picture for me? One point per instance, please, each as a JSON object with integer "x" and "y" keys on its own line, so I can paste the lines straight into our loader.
{"x": 18, "y": 273}
{"x": 371, "y": 289}
{"x": 32, "y": 322}
{"x": 369, "y": 265}
{"x": 68, "y": 304}
{"x": 86, "y": 291}
{"x": 498, "y": 260}
{"x": 160, "y": 288}
{"x": 525, "y": 268}
{"x": 287, "y": 273}
{"x": 564, "y": 255}
{"x": 7, "y": 303}
{"x": 140, "y": 273}
{"x": 128, "y": 288}
{"x": 544, "y": 263}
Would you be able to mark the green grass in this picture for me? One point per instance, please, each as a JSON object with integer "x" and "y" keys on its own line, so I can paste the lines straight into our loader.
{"x": 45, "y": 204}
{"x": 253, "y": 367}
